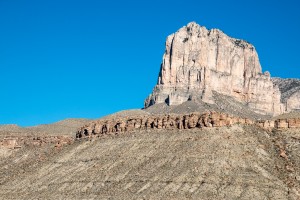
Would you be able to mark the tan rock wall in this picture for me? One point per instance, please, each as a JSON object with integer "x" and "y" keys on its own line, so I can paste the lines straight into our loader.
{"x": 280, "y": 123}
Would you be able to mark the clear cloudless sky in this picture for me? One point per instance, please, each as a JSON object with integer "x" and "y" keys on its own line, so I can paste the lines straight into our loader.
{"x": 88, "y": 58}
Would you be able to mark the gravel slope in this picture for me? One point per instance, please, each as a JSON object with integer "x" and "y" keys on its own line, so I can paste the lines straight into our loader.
{"x": 238, "y": 162}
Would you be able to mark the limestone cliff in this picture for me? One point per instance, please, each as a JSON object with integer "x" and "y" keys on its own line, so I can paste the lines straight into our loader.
{"x": 198, "y": 61}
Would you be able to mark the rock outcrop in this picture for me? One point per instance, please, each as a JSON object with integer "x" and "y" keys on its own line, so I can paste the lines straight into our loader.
{"x": 290, "y": 92}
{"x": 178, "y": 122}
{"x": 150, "y": 122}
{"x": 198, "y": 61}
{"x": 15, "y": 142}
{"x": 285, "y": 121}
{"x": 280, "y": 123}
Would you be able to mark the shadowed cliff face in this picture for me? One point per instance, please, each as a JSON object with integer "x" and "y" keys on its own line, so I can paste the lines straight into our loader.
{"x": 290, "y": 92}
{"x": 198, "y": 61}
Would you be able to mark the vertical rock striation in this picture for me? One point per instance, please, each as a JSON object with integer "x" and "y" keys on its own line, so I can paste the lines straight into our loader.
{"x": 198, "y": 61}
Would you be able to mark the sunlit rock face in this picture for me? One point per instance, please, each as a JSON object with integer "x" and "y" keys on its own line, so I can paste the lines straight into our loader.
{"x": 198, "y": 61}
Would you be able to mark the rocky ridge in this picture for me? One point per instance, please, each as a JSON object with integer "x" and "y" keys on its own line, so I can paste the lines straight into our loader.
{"x": 63, "y": 127}
{"x": 178, "y": 122}
{"x": 22, "y": 141}
{"x": 57, "y": 134}
{"x": 198, "y": 61}
{"x": 171, "y": 121}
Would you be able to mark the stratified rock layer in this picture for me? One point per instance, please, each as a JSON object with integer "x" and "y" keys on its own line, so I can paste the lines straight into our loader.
{"x": 178, "y": 122}
{"x": 198, "y": 61}
{"x": 150, "y": 122}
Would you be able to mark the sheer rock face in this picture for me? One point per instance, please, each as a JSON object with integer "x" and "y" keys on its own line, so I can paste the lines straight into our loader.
{"x": 198, "y": 61}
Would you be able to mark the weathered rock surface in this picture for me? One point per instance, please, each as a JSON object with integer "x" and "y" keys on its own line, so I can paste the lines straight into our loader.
{"x": 284, "y": 121}
{"x": 178, "y": 122}
{"x": 198, "y": 61}
{"x": 222, "y": 103}
{"x": 280, "y": 123}
{"x": 22, "y": 141}
{"x": 56, "y": 135}
{"x": 290, "y": 92}
{"x": 150, "y": 122}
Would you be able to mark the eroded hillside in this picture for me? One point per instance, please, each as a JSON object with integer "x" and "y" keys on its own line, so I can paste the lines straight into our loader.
{"x": 234, "y": 162}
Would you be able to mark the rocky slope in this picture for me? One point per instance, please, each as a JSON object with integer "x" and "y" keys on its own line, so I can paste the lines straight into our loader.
{"x": 222, "y": 103}
{"x": 198, "y": 61}
{"x": 235, "y": 162}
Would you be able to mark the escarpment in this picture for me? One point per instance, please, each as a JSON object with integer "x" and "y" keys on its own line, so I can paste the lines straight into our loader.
{"x": 150, "y": 122}
{"x": 21, "y": 141}
{"x": 198, "y": 61}
{"x": 177, "y": 122}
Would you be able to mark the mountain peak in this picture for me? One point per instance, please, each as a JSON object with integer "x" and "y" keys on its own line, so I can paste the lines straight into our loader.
{"x": 198, "y": 61}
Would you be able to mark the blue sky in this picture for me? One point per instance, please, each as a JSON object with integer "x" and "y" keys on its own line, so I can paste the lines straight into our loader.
{"x": 85, "y": 59}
